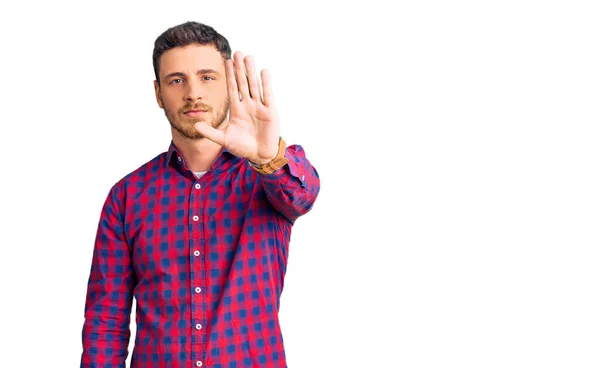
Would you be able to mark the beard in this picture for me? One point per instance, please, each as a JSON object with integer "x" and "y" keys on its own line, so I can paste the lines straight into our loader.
{"x": 185, "y": 125}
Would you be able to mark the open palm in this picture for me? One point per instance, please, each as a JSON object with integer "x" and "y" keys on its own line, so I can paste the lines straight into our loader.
{"x": 253, "y": 128}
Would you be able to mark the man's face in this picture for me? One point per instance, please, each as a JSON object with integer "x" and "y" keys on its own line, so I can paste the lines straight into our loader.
{"x": 192, "y": 88}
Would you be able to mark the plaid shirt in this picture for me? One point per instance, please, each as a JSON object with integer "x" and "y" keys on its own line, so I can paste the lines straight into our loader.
{"x": 205, "y": 259}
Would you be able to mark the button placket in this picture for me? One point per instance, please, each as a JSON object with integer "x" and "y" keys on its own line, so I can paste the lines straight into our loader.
{"x": 197, "y": 274}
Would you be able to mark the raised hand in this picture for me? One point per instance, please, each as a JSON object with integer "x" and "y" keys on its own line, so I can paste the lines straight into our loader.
{"x": 253, "y": 128}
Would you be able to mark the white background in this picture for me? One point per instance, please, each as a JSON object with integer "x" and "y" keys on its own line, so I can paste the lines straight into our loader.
{"x": 457, "y": 144}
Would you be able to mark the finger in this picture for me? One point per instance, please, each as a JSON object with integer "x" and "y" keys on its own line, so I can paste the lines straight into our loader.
{"x": 268, "y": 98}
{"x": 252, "y": 78}
{"x": 240, "y": 74}
{"x": 211, "y": 133}
{"x": 232, "y": 88}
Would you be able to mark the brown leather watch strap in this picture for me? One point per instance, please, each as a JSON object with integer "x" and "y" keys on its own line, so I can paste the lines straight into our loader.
{"x": 275, "y": 164}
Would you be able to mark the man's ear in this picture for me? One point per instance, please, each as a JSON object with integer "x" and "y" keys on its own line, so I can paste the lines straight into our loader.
{"x": 157, "y": 93}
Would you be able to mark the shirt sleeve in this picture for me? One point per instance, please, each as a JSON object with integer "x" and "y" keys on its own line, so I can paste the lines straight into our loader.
{"x": 106, "y": 332}
{"x": 292, "y": 189}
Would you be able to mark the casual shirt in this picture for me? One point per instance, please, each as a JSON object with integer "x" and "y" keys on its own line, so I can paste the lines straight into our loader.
{"x": 205, "y": 259}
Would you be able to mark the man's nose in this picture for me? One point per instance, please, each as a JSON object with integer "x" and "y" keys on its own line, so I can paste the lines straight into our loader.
{"x": 193, "y": 91}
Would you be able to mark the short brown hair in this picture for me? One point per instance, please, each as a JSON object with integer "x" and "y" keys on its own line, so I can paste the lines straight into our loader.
{"x": 186, "y": 34}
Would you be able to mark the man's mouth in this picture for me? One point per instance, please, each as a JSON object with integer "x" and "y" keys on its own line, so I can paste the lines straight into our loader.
{"x": 195, "y": 112}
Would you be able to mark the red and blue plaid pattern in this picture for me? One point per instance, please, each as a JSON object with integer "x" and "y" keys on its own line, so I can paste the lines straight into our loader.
{"x": 205, "y": 259}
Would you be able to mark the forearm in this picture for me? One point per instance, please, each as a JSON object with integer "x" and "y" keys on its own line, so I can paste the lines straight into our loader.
{"x": 292, "y": 189}
{"x": 106, "y": 333}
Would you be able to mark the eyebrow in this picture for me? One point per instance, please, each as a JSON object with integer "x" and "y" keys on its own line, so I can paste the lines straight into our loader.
{"x": 201, "y": 71}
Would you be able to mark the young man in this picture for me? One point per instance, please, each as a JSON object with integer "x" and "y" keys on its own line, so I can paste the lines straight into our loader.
{"x": 199, "y": 234}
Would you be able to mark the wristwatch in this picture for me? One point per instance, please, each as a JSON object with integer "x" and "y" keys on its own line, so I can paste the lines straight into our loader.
{"x": 275, "y": 164}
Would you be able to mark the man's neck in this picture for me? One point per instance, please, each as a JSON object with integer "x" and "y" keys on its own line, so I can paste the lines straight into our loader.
{"x": 198, "y": 154}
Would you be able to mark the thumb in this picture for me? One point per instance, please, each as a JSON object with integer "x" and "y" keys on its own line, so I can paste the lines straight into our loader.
{"x": 211, "y": 133}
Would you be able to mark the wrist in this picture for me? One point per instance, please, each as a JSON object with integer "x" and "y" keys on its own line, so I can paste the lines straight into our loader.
{"x": 270, "y": 166}
{"x": 261, "y": 162}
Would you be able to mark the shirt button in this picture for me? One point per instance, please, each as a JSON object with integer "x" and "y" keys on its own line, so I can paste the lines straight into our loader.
{"x": 199, "y": 363}
{"x": 179, "y": 159}
{"x": 197, "y": 186}
{"x": 198, "y": 326}
{"x": 196, "y": 253}
{"x": 198, "y": 290}
{"x": 195, "y": 218}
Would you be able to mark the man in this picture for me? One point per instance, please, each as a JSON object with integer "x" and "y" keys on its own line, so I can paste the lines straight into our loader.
{"x": 199, "y": 234}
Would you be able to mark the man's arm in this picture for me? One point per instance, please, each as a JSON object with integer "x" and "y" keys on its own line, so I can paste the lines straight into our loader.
{"x": 252, "y": 132}
{"x": 292, "y": 189}
{"x": 109, "y": 298}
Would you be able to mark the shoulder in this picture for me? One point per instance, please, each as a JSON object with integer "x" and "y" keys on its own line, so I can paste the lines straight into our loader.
{"x": 139, "y": 176}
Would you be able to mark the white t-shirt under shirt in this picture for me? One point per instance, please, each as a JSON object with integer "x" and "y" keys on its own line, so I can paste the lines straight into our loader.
{"x": 199, "y": 174}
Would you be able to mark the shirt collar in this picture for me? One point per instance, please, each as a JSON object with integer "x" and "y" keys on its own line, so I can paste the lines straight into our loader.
{"x": 173, "y": 154}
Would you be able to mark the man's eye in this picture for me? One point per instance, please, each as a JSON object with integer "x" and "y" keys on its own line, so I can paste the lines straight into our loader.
{"x": 208, "y": 76}
{"x": 174, "y": 81}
